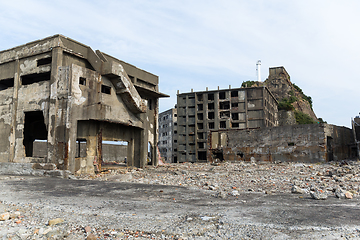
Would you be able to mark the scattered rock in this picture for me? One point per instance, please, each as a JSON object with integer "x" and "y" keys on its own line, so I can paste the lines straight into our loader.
{"x": 297, "y": 190}
{"x": 348, "y": 195}
{"x": 4, "y": 216}
{"x": 91, "y": 237}
{"x": 339, "y": 193}
{"x": 87, "y": 229}
{"x": 318, "y": 195}
{"x": 55, "y": 221}
{"x": 235, "y": 193}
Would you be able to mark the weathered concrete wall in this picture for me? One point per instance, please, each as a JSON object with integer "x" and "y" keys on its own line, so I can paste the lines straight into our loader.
{"x": 50, "y": 86}
{"x": 286, "y": 118}
{"x": 303, "y": 143}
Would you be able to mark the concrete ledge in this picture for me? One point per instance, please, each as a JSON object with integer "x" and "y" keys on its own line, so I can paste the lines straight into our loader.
{"x": 33, "y": 170}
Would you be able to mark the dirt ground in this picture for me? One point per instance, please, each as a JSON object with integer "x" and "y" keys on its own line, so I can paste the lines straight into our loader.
{"x": 187, "y": 201}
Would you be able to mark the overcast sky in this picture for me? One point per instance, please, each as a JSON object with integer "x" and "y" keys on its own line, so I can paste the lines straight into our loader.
{"x": 207, "y": 43}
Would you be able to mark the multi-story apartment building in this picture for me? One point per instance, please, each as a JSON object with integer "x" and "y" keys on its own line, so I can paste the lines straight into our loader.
{"x": 202, "y": 112}
{"x": 168, "y": 135}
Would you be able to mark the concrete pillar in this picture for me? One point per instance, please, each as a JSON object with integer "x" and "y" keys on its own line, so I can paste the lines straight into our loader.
{"x": 51, "y": 121}
{"x": 14, "y": 111}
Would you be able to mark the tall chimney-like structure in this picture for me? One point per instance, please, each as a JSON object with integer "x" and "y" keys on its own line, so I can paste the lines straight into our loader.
{"x": 258, "y": 72}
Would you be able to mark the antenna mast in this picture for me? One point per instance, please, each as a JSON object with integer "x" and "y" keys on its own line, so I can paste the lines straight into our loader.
{"x": 258, "y": 73}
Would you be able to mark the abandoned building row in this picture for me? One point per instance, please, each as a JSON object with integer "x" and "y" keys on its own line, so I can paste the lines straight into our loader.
{"x": 84, "y": 110}
{"x": 246, "y": 124}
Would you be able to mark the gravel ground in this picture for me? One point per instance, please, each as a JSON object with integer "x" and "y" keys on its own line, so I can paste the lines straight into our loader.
{"x": 187, "y": 201}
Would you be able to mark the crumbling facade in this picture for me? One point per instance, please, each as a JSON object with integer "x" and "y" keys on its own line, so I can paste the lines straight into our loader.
{"x": 59, "y": 91}
{"x": 296, "y": 143}
{"x": 355, "y": 123}
{"x": 279, "y": 84}
{"x": 168, "y": 135}
{"x": 202, "y": 112}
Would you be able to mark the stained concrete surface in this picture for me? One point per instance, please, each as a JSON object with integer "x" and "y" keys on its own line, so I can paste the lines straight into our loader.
{"x": 157, "y": 208}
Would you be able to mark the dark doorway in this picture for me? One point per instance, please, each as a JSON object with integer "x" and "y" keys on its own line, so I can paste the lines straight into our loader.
{"x": 330, "y": 153}
{"x": 34, "y": 129}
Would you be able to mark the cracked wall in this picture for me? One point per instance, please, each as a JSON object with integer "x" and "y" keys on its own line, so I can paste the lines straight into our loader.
{"x": 57, "y": 83}
{"x": 296, "y": 143}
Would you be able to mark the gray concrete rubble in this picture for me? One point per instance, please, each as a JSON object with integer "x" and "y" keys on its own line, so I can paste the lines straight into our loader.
{"x": 187, "y": 201}
{"x": 67, "y": 102}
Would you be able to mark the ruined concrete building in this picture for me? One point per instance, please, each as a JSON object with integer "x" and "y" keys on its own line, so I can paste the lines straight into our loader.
{"x": 297, "y": 143}
{"x": 61, "y": 92}
{"x": 202, "y": 112}
{"x": 279, "y": 84}
{"x": 168, "y": 135}
{"x": 245, "y": 124}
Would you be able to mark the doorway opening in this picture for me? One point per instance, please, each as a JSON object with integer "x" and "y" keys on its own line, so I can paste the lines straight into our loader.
{"x": 35, "y": 131}
{"x": 114, "y": 153}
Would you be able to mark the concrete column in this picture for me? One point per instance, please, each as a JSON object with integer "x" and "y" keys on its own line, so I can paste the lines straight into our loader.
{"x": 155, "y": 129}
{"x": 51, "y": 120}
{"x": 131, "y": 151}
{"x": 14, "y": 111}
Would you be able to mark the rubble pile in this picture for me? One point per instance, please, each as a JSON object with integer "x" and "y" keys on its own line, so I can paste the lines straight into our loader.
{"x": 340, "y": 179}
{"x": 228, "y": 181}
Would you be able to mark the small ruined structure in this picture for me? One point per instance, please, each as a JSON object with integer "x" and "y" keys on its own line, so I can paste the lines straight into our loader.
{"x": 296, "y": 143}
{"x": 199, "y": 113}
{"x": 62, "y": 94}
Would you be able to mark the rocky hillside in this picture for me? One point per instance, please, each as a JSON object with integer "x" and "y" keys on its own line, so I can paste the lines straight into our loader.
{"x": 294, "y": 105}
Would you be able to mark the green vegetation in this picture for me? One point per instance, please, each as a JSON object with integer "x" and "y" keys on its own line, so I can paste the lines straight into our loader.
{"x": 305, "y": 97}
{"x": 303, "y": 118}
{"x": 286, "y": 103}
{"x": 248, "y": 83}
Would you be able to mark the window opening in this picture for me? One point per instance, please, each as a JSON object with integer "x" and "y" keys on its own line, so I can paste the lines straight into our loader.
{"x": 211, "y": 125}
{"x": 150, "y": 105}
{"x": 200, "y": 135}
{"x": 200, "y": 126}
{"x": 223, "y": 124}
{"x": 235, "y": 116}
{"x": 200, "y": 116}
{"x": 211, "y": 115}
{"x": 222, "y": 95}
{"x": 105, "y": 89}
{"x": 80, "y": 148}
{"x": 210, "y": 96}
{"x": 234, "y": 105}
{"x": 234, "y": 93}
{"x": 43, "y": 61}
{"x": 202, "y": 155}
{"x": 150, "y": 155}
{"x": 200, "y": 107}
{"x": 224, "y": 105}
{"x": 235, "y": 125}
{"x": 199, "y": 97}
{"x": 6, "y": 83}
{"x": 34, "y": 78}
{"x": 225, "y": 114}
{"x": 82, "y": 81}
{"x": 114, "y": 152}
{"x": 211, "y": 106}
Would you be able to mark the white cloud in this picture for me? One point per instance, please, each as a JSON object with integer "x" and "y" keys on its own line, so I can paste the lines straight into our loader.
{"x": 194, "y": 44}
